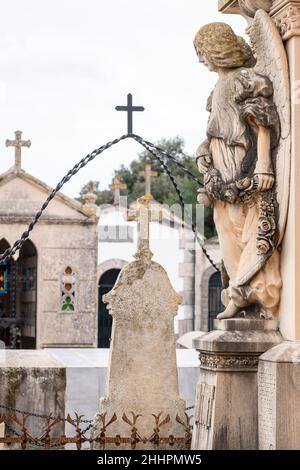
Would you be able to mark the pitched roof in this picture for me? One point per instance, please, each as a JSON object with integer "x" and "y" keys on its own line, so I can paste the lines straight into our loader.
{"x": 12, "y": 173}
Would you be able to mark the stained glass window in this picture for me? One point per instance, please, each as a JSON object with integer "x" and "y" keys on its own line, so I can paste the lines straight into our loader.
{"x": 3, "y": 280}
{"x": 68, "y": 286}
{"x": 29, "y": 279}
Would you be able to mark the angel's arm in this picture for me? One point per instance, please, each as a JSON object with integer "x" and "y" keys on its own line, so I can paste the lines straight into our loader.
{"x": 264, "y": 167}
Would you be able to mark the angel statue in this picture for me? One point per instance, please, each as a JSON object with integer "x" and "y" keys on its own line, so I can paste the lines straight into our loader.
{"x": 245, "y": 160}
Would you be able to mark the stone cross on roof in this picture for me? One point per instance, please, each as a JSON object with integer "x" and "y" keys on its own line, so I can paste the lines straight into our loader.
{"x": 117, "y": 186}
{"x": 18, "y": 143}
{"x": 143, "y": 218}
{"x": 148, "y": 174}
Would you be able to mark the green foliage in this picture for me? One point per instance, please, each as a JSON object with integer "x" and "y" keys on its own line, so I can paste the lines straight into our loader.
{"x": 162, "y": 187}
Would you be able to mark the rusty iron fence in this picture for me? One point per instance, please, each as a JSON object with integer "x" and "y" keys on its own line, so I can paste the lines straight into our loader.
{"x": 17, "y": 435}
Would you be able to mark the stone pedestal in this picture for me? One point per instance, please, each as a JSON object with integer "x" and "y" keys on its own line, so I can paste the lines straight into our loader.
{"x": 226, "y": 397}
{"x": 279, "y": 397}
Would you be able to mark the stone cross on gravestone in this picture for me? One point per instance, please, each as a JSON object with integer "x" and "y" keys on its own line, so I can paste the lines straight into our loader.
{"x": 143, "y": 218}
{"x": 18, "y": 143}
{"x": 129, "y": 109}
{"x": 148, "y": 174}
{"x": 117, "y": 186}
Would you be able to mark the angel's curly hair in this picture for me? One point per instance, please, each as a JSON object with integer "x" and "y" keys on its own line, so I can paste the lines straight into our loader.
{"x": 222, "y": 47}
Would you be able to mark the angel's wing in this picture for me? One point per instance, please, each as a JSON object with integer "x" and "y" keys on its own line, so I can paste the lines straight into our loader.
{"x": 272, "y": 62}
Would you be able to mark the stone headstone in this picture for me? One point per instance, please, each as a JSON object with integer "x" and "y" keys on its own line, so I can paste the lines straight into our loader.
{"x": 142, "y": 374}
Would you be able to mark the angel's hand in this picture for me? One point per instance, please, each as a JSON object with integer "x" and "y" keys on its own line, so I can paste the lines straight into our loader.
{"x": 203, "y": 157}
{"x": 264, "y": 181}
{"x": 203, "y": 165}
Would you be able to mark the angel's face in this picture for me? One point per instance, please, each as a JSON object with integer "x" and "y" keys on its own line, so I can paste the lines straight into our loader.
{"x": 204, "y": 60}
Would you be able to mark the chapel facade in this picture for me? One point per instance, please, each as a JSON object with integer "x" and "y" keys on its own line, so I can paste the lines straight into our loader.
{"x": 48, "y": 292}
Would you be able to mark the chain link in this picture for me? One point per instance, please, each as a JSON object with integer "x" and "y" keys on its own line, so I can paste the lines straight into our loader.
{"x": 36, "y": 443}
{"x": 36, "y": 415}
{"x": 15, "y": 433}
{"x": 153, "y": 149}
{"x": 16, "y": 410}
{"x": 166, "y": 154}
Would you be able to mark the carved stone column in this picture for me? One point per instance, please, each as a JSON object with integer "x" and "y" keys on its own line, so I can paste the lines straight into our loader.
{"x": 279, "y": 368}
{"x": 286, "y": 15}
{"x": 226, "y": 414}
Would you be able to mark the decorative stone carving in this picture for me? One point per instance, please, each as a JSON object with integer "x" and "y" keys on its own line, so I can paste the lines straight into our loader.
{"x": 228, "y": 362}
{"x": 250, "y": 7}
{"x": 245, "y": 159}
{"x": 286, "y": 16}
{"x": 90, "y": 198}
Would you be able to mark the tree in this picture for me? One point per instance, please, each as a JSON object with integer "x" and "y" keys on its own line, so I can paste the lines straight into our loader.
{"x": 162, "y": 187}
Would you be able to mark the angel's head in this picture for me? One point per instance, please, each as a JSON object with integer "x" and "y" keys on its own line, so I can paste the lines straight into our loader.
{"x": 218, "y": 46}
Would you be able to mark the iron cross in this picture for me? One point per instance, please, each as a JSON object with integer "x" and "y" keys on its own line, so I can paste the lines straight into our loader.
{"x": 130, "y": 110}
{"x": 18, "y": 143}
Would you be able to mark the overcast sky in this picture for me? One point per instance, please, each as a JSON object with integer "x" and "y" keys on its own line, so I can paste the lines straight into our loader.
{"x": 66, "y": 64}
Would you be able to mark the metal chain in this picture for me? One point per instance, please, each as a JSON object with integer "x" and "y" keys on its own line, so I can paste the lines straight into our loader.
{"x": 87, "y": 429}
{"x": 36, "y": 415}
{"x": 36, "y": 443}
{"x": 171, "y": 157}
{"x": 4, "y": 257}
{"x": 171, "y": 176}
{"x": 10, "y": 408}
{"x": 7, "y": 426}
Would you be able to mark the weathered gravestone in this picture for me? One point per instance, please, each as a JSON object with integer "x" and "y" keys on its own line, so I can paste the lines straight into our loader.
{"x": 33, "y": 382}
{"x": 142, "y": 375}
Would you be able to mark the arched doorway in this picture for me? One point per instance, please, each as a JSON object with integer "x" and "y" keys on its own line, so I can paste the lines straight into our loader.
{"x": 215, "y": 305}
{"x": 18, "y": 298}
{"x": 27, "y": 268}
{"x": 106, "y": 283}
